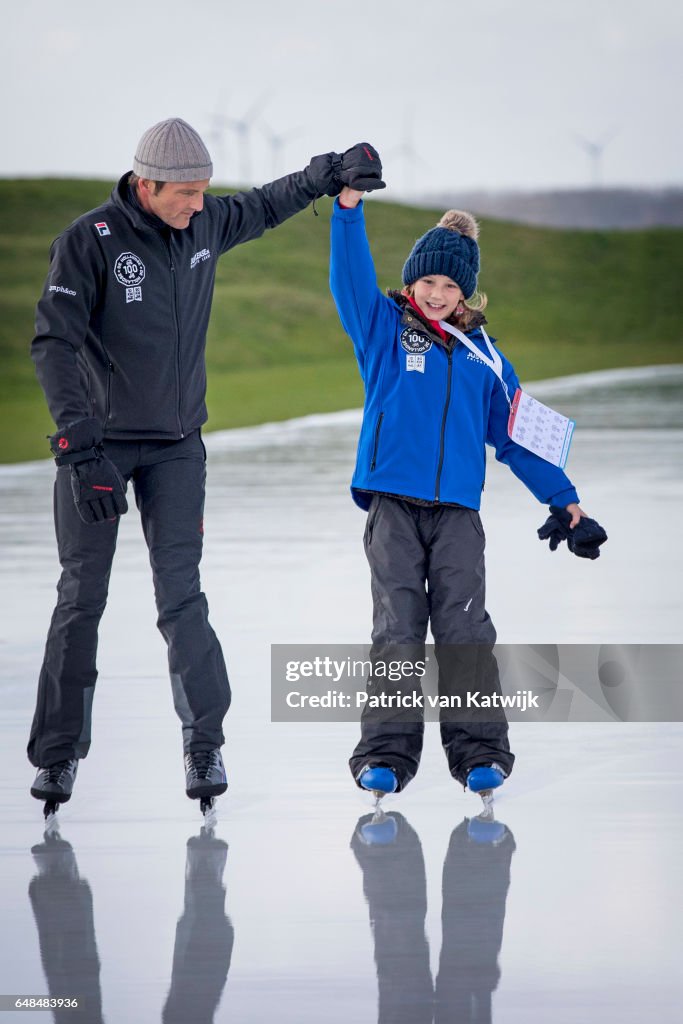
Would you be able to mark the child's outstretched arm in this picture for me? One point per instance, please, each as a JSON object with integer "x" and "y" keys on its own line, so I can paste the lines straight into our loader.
{"x": 366, "y": 314}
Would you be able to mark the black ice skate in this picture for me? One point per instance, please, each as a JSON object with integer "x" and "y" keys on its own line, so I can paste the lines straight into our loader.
{"x": 205, "y": 777}
{"x": 54, "y": 784}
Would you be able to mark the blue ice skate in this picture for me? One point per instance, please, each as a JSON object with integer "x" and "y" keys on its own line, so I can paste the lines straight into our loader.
{"x": 379, "y": 780}
{"x": 484, "y": 779}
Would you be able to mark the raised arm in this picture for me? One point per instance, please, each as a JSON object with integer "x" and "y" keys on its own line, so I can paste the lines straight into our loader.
{"x": 247, "y": 215}
{"x": 364, "y": 311}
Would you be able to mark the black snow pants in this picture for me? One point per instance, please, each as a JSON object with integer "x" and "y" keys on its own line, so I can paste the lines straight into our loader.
{"x": 427, "y": 567}
{"x": 168, "y": 479}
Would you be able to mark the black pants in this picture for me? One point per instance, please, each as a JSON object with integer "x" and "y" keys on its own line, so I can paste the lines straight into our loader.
{"x": 427, "y": 567}
{"x": 168, "y": 480}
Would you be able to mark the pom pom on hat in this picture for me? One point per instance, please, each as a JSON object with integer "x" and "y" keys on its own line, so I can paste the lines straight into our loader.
{"x": 460, "y": 221}
{"x": 451, "y": 249}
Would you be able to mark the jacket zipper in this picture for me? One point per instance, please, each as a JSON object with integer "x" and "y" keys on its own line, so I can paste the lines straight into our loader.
{"x": 442, "y": 443}
{"x": 176, "y": 319}
{"x": 110, "y": 372}
{"x": 376, "y": 445}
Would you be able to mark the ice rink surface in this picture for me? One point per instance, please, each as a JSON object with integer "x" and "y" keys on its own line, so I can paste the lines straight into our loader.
{"x": 291, "y": 911}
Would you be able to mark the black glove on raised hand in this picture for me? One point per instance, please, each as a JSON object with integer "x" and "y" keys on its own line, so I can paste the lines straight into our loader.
{"x": 359, "y": 167}
{"x": 362, "y": 168}
{"x": 98, "y": 488}
{"x": 583, "y": 541}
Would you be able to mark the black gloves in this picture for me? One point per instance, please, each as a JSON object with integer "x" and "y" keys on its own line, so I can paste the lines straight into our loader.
{"x": 362, "y": 168}
{"x": 359, "y": 167}
{"x": 584, "y": 540}
{"x": 98, "y": 488}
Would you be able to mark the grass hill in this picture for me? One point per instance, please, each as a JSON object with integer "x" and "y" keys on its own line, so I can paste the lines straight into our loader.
{"x": 559, "y": 302}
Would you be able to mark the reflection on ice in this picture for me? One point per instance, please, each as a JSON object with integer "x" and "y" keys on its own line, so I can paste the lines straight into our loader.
{"x": 204, "y": 935}
{"x": 62, "y": 904}
{"x": 475, "y": 882}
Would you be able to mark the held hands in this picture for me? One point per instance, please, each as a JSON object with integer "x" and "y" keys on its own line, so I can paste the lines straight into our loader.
{"x": 350, "y": 197}
{"x": 583, "y": 535}
{"x": 98, "y": 488}
{"x": 358, "y": 168}
{"x": 361, "y": 168}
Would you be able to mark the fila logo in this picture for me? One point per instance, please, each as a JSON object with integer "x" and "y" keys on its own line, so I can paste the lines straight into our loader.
{"x": 102, "y": 228}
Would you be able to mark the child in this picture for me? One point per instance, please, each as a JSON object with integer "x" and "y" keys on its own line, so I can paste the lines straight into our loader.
{"x": 431, "y": 403}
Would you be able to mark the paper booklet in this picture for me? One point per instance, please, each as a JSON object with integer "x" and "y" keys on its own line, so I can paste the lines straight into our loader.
{"x": 540, "y": 429}
{"x": 534, "y": 426}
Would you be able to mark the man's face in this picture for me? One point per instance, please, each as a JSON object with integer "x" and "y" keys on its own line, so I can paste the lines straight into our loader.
{"x": 176, "y": 202}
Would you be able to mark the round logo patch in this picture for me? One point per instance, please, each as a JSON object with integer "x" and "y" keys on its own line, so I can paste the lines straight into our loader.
{"x": 413, "y": 341}
{"x": 129, "y": 269}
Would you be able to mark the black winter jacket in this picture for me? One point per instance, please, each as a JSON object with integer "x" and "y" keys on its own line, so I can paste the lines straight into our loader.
{"x": 121, "y": 324}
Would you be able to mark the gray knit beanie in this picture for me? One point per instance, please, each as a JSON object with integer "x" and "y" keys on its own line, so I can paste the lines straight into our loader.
{"x": 451, "y": 249}
{"x": 172, "y": 151}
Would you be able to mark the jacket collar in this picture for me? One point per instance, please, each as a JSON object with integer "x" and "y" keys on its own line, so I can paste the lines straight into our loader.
{"x": 125, "y": 199}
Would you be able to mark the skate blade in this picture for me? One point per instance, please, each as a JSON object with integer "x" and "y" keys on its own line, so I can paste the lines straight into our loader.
{"x": 378, "y": 816}
{"x": 51, "y": 830}
{"x": 487, "y": 799}
{"x": 208, "y": 808}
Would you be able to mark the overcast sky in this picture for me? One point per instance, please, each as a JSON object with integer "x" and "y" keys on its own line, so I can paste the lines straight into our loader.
{"x": 485, "y": 94}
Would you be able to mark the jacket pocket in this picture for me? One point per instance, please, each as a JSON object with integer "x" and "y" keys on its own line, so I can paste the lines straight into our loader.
{"x": 370, "y": 523}
{"x": 375, "y": 447}
{"x": 477, "y": 523}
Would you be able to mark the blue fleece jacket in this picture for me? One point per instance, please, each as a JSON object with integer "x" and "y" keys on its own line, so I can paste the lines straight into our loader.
{"x": 429, "y": 410}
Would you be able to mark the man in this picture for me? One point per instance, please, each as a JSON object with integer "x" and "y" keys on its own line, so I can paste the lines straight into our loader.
{"x": 119, "y": 352}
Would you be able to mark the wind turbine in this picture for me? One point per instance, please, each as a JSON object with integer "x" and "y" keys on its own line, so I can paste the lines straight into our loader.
{"x": 242, "y": 129}
{"x": 215, "y": 137}
{"x": 595, "y": 150}
{"x": 276, "y": 143}
{"x": 409, "y": 156}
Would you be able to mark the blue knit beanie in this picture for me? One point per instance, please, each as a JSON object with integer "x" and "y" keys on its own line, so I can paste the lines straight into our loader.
{"x": 451, "y": 249}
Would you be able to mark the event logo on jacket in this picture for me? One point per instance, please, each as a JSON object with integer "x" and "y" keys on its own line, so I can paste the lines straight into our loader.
{"x": 415, "y": 344}
{"x": 413, "y": 341}
{"x": 129, "y": 270}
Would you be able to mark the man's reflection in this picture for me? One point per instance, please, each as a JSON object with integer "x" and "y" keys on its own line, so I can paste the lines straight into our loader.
{"x": 204, "y": 936}
{"x": 476, "y": 877}
{"x": 63, "y": 909}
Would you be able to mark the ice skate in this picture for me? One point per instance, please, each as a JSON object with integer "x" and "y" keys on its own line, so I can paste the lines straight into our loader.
{"x": 379, "y": 781}
{"x": 483, "y": 780}
{"x": 205, "y": 779}
{"x": 54, "y": 785}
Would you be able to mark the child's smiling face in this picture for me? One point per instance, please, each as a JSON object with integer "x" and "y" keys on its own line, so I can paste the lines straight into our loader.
{"x": 437, "y": 296}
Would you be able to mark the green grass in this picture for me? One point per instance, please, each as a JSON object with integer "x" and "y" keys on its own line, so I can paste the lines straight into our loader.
{"x": 559, "y": 302}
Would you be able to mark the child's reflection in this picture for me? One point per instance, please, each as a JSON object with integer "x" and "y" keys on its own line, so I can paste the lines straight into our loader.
{"x": 476, "y": 877}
